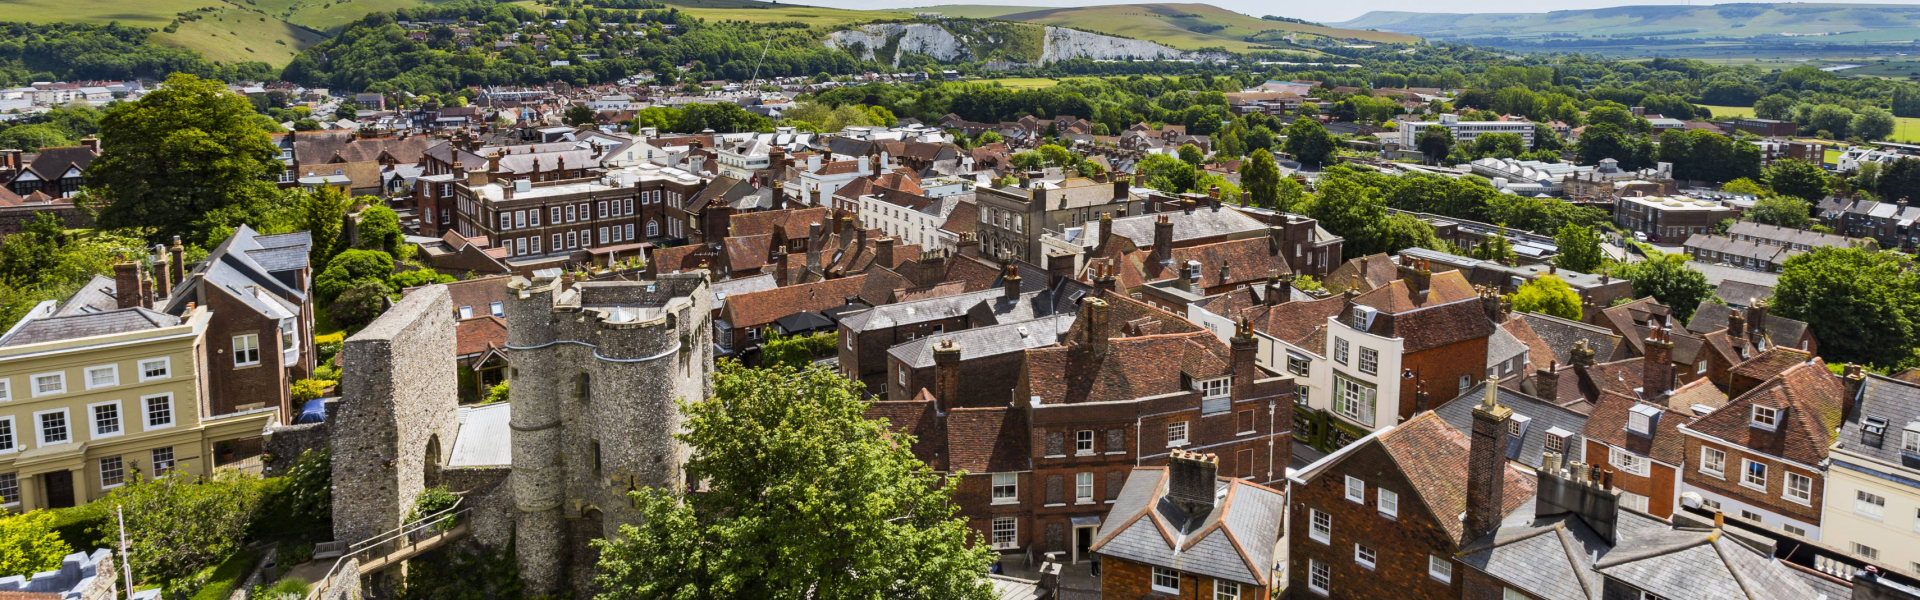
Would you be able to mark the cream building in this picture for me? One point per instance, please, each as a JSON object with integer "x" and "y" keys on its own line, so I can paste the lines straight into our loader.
{"x": 1871, "y": 507}
{"x": 92, "y": 395}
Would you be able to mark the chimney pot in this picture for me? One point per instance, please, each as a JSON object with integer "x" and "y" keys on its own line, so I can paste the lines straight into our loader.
{"x": 1192, "y": 481}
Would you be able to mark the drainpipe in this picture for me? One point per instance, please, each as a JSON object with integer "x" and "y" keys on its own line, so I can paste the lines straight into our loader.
{"x": 1271, "y": 405}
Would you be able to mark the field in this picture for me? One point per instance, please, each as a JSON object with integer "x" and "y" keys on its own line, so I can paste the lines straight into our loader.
{"x": 235, "y": 32}
{"x": 329, "y": 15}
{"x": 1183, "y": 26}
{"x": 1905, "y": 129}
{"x": 233, "y": 35}
{"x": 1813, "y": 23}
{"x": 1023, "y": 83}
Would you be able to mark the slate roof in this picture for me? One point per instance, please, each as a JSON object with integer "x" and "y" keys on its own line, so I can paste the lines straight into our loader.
{"x": 1560, "y": 335}
{"x": 95, "y": 296}
{"x": 981, "y": 342}
{"x": 1546, "y": 557}
{"x": 1893, "y": 405}
{"x": 1201, "y": 223}
{"x": 231, "y": 267}
{"x": 1692, "y": 564}
{"x": 1536, "y": 419}
{"x": 1503, "y": 345}
{"x": 67, "y": 327}
{"x": 1738, "y": 293}
{"x": 1781, "y": 331}
{"x": 1810, "y": 399}
{"x": 1233, "y": 541}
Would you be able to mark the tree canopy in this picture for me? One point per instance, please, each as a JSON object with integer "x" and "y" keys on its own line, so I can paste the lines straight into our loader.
{"x": 1668, "y": 279}
{"x": 1548, "y": 295}
{"x": 1861, "y": 304}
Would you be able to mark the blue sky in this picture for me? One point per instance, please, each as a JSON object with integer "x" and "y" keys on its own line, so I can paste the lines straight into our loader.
{"x": 1313, "y": 11}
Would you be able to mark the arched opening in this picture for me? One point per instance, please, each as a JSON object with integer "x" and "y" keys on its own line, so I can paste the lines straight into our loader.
{"x": 432, "y": 460}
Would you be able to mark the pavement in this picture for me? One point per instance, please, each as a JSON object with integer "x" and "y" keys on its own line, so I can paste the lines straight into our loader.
{"x": 1076, "y": 580}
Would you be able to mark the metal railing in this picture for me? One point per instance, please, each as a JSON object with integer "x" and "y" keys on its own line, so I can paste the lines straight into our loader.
{"x": 393, "y": 541}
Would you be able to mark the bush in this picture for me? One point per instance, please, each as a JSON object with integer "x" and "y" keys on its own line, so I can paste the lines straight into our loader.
{"x": 79, "y": 526}
{"x": 497, "y": 393}
{"x": 217, "y": 582}
{"x": 308, "y": 389}
{"x": 360, "y": 304}
{"x": 29, "y": 544}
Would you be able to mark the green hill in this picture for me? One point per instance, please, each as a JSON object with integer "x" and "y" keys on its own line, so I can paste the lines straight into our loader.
{"x": 1810, "y": 23}
{"x": 270, "y": 31}
{"x": 1183, "y": 26}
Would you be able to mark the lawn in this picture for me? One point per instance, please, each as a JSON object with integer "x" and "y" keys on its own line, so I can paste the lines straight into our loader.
{"x": 145, "y": 13}
{"x": 1905, "y": 129}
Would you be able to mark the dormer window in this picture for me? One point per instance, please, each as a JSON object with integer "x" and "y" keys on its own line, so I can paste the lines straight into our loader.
{"x": 1873, "y": 432}
{"x": 1765, "y": 417}
{"x": 1910, "y": 439}
{"x": 1641, "y": 419}
{"x": 1216, "y": 388}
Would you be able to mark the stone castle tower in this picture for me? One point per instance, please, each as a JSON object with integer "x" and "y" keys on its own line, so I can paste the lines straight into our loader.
{"x": 597, "y": 368}
{"x": 397, "y": 420}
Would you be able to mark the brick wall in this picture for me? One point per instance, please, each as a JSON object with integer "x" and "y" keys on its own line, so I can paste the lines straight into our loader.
{"x": 868, "y": 361}
{"x": 1128, "y": 580}
{"x": 1772, "y": 499}
{"x": 1442, "y": 368}
{"x": 1657, "y": 486}
{"x": 1402, "y": 544}
{"x": 233, "y": 388}
{"x": 1001, "y": 368}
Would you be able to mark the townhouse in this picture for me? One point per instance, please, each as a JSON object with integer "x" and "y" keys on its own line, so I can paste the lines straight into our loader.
{"x": 1014, "y": 219}
{"x": 1891, "y": 224}
{"x": 1165, "y": 514}
{"x": 1871, "y": 505}
{"x": 1670, "y": 218}
{"x": 261, "y": 286}
{"x": 865, "y": 338}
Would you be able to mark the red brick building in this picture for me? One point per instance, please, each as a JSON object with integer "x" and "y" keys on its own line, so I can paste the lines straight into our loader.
{"x": 1760, "y": 456}
{"x": 1183, "y": 531}
{"x": 261, "y": 338}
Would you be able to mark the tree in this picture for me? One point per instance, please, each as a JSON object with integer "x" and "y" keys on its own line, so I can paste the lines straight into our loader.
{"x": 184, "y": 160}
{"x": 1496, "y": 248}
{"x": 1860, "y": 303}
{"x": 1668, "y": 279}
{"x": 380, "y": 229}
{"x": 1899, "y": 180}
{"x": 1548, "y": 295}
{"x": 1797, "y": 178}
{"x": 1260, "y": 176}
{"x": 1777, "y": 106}
{"x": 1784, "y": 211}
{"x": 579, "y": 115}
{"x": 29, "y": 544}
{"x": 322, "y": 214}
{"x": 805, "y": 497}
{"x": 1872, "y": 123}
{"x": 1831, "y": 118}
{"x": 360, "y": 304}
{"x": 1435, "y": 142}
{"x": 1603, "y": 141}
{"x": 351, "y": 268}
{"x": 1579, "y": 249}
{"x": 31, "y": 138}
{"x": 1191, "y": 154}
{"x": 180, "y": 523}
{"x": 1309, "y": 142}
{"x": 1352, "y": 210}
{"x": 1498, "y": 145}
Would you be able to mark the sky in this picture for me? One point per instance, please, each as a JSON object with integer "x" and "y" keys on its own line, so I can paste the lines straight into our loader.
{"x": 1325, "y": 12}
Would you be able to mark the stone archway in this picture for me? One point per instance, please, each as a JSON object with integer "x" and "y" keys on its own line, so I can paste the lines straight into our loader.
{"x": 433, "y": 461}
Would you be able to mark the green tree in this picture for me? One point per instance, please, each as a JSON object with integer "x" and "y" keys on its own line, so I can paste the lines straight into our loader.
{"x": 1497, "y": 248}
{"x": 29, "y": 544}
{"x": 1872, "y": 123}
{"x": 1579, "y": 249}
{"x": 31, "y": 138}
{"x": 1309, "y": 142}
{"x": 1785, "y": 211}
{"x": 795, "y": 351}
{"x": 380, "y": 230}
{"x": 1861, "y": 304}
{"x": 1668, "y": 279}
{"x": 322, "y": 214}
{"x": 1352, "y": 210}
{"x": 579, "y": 115}
{"x": 1797, "y": 178}
{"x": 310, "y": 485}
{"x": 1548, "y": 295}
{"x": 350, "y": 268}
{"x": 1260, "y": 176}
{"x": 1191, "y": 154}
{"x": 1831, "y": 118}
{"x": 1899, "y": 180}
{"x": 1498, "y": 145}
{"x": 180, "y": 523}
{"x": 361, "y": 303}
{"x": 185, "y": 159}
{"x": 1435, "y": 142}
{"x": 1777, "y": 106}
{"x": 805, "y": 497}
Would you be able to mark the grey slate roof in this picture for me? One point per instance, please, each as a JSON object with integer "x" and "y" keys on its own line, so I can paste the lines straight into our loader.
{"x": 1200, "y": 223}
{"x": 96, "y": 296}
{"x": 1536, "y": 418}
{"x": 1687, "y": 565}
{"x": 1740, "y": 293}
{"x": 981, "y": 342}
{"x": 1502, "y": 346}
{"x": 985, "y": 307}
{"x": 233, "y": 266}
{"x": 1891, "y": 404}
{"x": 67, "y": 327}
{"x": 1561, "y": 334}
{"x": 1250, "y": 514}
{"x": 1547, "y": 557}
{"x": 1711, "y": 317}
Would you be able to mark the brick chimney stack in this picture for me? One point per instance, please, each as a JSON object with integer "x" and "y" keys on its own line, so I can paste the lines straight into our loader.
{"x": 1487, "y": 464}
{"x": 1245, "y": 351}
{"x": 1010, "y": 284}
{"x": 1184, "y": 280}
{"x": 1582, "y": 354}
{"x": 946, "y": 375}
{"x": 1279, "y": 289}
{"x": 1736, "y": 324}
{"x": 883, "y": 252}
{"x": 1853, "y": 377}
{"x": 130, "y": 285}
{"x": 1546, "y": 382}
{"x": 1094, "y": 310}
{"x": 1656, "y": 368}
{"x": 1757, "y": 317}
{"x": 1106, "y": 233}
{"x": 1162, "y": 239}
{"x": 1276, "y": 241}
{"x": 1192, "y": 481}
{"x": 163, "y": 287}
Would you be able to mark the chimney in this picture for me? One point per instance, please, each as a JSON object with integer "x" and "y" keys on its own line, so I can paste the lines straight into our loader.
{"x": 967, "y": 245}
{"x": 1279, "y": 289}
{"x": 1026, "y": 181}
{"x": 1737, "y": 323}
{"x": 493, "y": 162}
{"x": 1494, "y": 305}
{"x": 1656, "y": 368}
{"x": 92, "y": 143}
{"x": 1162, "y": 239}
{"x": 1276, "y": 241}
{"x": 1186, "y": 205}
{"x": 1245, "y": 350}
{"x": 1213, "y": 197}
{"x": 1059, "y": 268}
{"x": 163, "y": 287}
{"x": 1757, "y": 317}
{"x": 1191, "y": 481}
{"x": 1418, "y": 274}
{"x": 1121, "y": 189}
{"x": 1581, "y": 355}
{"x": 1094, "y": 310}
{"x": 1102, "y": 275}
{"x": 1487, "y": 464}
{"x": 946, "y": 375}
{"x": 127, "y": 280}
{"x": 883, "y": 252}
{"x": 1184, "y": 281}
{"x": 1139, "y": 180}
{"x": 1106, "y": 233}
{"x": 1010, "y": 283}
{"x": 1546, "y": 382}
{"x": 1853, "y": 377}
{"x": 816, "y": 237}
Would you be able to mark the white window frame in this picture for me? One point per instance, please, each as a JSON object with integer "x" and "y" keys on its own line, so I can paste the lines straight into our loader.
{"x": 250, "y": 343}
{"x": 1006, "y": 488}
{"x": 1354, "y": 401}
{"x": 1299, "y": 366}
{"x": 1746, "y": 474}
{"x": 1316, "y": 531}
{"x": 1012, "y": 533}
{"x": 1804, "y": 497}
{"x": 1870, "y": 505}
{"x": 93, "y": 420}
{"x": 1319, "y": 577}
{"x": 1713, "y": 461}
{"x": 162, "y": 466}
{"x": 1216, "y": 388}
{"x": 1389, "y": 502}
{"x": 1161, "y": 574}
{"x": 466, "y": 312}
{"x": 6, "y": 389}
{"x": 33, "y": 383}
{"x": 39, "y": 426}
{"x": 1765, "y": 417}
{"x": 1177, "y": 434}
{"x": 1870, "y": 552}
{"x": 1356, "y": 490}
{"x": 146, "y": 412}
{"x": 1369, "y": 361}
{"x": 120, "y": 464}
{"x": 1628, "y": 462}
{"x": 1083, "y": 442}
{"x": 1083, "y": 487}
{"x": 1439, "y": 569}
{"x": 166, "y": 365}
{"x": 112, "y": 372}
{"x": 1366, "y": 557}
{"x": 13, "y": 483}
{"x": 1226, "y": 590}
{"x": 1340, "y": 350}
{"x": 10, "y": 433}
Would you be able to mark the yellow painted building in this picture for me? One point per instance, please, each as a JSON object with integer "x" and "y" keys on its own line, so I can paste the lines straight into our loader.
{"x": 90, "y": 397}
{"x": 1871, "y": 507}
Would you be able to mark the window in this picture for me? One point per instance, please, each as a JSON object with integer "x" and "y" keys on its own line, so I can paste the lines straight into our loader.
{"x": 1869, "y": 505}
{"x": 159, "y": 411}
{"x": 246, "y": 350}
{"x": 6, "y": 389}
{"x": 1322, "y": 530}
{"x": 1369, "y": 361}
{"x": 156, "y": 368}
{"x": 1389, "y": 503}
{"x": 1713, "y": 462}
{"x": 1356, "y": 490}
{"x": 1629, "y": 462}
{"x": 8, "y": 442}
{"x": 162, "y": 460}
{"x": 1754, "y": 475}
{"x": 1319, "y": 577}
{"x": 1216, "y": 388}
{"x": 1353, "y": 400}
{"x": 1439, "y": 568}
{"x": 554, "y": 215}
{"x": 1006, "y": 488}
{"x": 1466, "y": 381}
{"x": 535, "y": 243}
{"x": 603, "y": 235}
{"x": 1910, "y": 443}
{"x": 1512, "y": 594}
{"x": 106, "y": 419}
{"x": 1869, "y": 552}
{"x": 49, "y": 383}
{"x": 9, "y": 489}
{"x": 1083, "y": 488}
{"x": 1298, "y": 365}
{"x": 570, "y": 213}
{"x": 1006, "y": 533}
{"x": 1750, "y": 515}
{"x": 466, "y": 312}
{"x": 1364, "y": 556}
{"x": 1083, "y": 441}
{"x": 53, "y": 427}
{"x": 1225, "y": 590}
{"x": 533, "y": 217}
{"x": 1166, "y": 581}
{"x": 1799, "y": 488}
{"x": 1340, "y": 350}
{"x": 1701, "y": 367}
{"x": 1556, "y": 443}
{"x": 573, "y": 241}
{"x": 630, "y": 230}
{"x": 1789, "y": 528}
{"x": 1633, "y": 501}
{"x": 113, "y": 472}
{"x": 653, "y": 229}
{"x": 1177, "y": 434}
{"x": 519, "y": 219}
{"x": 103, "y": 376}
{"x": 1764, "y": 417}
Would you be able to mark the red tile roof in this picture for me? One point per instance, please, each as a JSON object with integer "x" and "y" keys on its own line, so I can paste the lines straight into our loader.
{"x": 1810, "y": 399}
{"x": 476, "y": 335}
{"x": 755, "y": 309}
{"x": 1607, "y": 424}
{"x": 987, "y": 440}
{"x": 1433, "y": 455}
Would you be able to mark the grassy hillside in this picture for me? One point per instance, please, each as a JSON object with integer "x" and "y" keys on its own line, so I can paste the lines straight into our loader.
{"x": 226, "y": 31}
{"x": 763, "y": 12}
{"x": 1184, "y": 26}
{"x": 233, "y": 35}
{"x": 1814, "y": 22}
